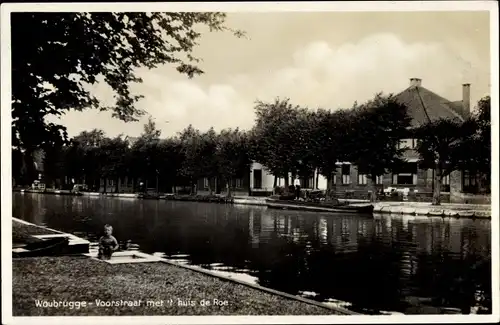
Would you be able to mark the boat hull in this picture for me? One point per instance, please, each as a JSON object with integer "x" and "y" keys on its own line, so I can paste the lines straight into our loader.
{"x": 283, "y": 205}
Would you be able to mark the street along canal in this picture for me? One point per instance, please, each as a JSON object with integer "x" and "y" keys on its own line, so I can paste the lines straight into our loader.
{"x": 379, "y": 263}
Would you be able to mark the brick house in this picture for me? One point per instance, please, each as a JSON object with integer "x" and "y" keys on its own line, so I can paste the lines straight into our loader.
{"x": 348, "y": 179}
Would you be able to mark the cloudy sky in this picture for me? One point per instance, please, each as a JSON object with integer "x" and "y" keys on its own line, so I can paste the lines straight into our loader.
{"x": 322, "y": 59}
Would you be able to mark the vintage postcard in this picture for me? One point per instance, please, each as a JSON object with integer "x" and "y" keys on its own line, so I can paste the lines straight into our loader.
{"x": 247, "y": 163}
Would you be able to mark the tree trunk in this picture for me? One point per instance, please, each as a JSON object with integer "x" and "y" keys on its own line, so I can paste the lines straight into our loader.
{"x": 436, "y": 193}
{"x": 228, "y": 186}
{"x": 157, "y": 184}
{"x": 275, "y": 182}
{"x": 210, "y": 190}
{"x": 193, "y": 187}
{"x": 287, "y": 180}
{"x": 374, "y": 194}
{"x": 328, "y": 194}
{"x": 317, "y": 181}
{"x": 29, "y": 162}
{"x": 117, "y": 187}
{"x": 105, "y": 186}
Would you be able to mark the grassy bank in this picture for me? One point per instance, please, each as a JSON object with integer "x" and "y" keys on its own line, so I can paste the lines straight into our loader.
{"x": 23, "y": 233}
{"x": 83, "y": 279}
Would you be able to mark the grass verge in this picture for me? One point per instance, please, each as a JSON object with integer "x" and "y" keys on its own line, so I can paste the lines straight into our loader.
{"x": 83, "y": 279}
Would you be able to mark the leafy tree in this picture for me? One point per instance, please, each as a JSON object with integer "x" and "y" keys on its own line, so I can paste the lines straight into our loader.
{"x": 88, "y": 47}
{"x": 233, "y": 157}
{"x": 84, "y": 155}
{"x": 376, "y": 129}
{"x": 53, "y": 162}
{"x": 207, "y": 157}
{"x": 476, "y": 149}
{"x": 302, "y": 157}
{"x": 330, "y": 141}
{"x": 143, "y": 159}
{"x": 18, "y": 168}
{"x": 171, "y": 161}
{"x": 192, "y": 146}
{"x": 275, "y": 136}
{"x": 440, "y": 145}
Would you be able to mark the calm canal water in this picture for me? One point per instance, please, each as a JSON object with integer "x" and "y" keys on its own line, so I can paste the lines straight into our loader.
{"x": 379, "y": 263}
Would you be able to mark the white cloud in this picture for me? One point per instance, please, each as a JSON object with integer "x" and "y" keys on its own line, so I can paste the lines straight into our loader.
{"x": 321, "y": 75}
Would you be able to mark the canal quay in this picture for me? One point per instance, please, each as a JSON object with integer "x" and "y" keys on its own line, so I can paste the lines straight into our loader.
{"x": 253, "y": 260}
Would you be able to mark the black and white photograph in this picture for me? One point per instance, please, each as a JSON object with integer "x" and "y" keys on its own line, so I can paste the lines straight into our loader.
{"x": 236, "y": 161}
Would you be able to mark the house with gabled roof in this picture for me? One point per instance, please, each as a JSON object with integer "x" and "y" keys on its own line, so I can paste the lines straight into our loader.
{"x": 409, "y": 175}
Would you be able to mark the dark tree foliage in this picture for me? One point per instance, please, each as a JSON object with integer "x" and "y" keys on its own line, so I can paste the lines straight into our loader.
{"x": 54, "y": 55}
{"x": 277, "y": 137}
{"x": 376, "y": 129}
{"x": 232, "y": 155}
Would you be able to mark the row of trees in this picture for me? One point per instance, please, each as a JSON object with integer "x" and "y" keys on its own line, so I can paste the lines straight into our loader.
{"x": 287, "y": 139}
{"x": 180, "y": 160}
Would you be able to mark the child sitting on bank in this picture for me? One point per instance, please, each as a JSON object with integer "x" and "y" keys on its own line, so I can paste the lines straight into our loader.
{"x": 107, "y": 243}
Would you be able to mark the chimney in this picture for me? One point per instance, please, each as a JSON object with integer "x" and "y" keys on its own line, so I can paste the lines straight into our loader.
{"x": 466, "y": 99}
{"x": 415, "y": 82}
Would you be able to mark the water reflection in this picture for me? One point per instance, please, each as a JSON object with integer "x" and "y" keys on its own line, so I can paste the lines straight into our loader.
{"x": 374, "y": 263}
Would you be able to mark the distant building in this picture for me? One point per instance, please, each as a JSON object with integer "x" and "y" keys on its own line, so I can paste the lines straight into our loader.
{"x": 410, "y": 175}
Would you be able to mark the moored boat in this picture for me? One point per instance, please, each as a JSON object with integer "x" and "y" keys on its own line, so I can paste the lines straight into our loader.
{"x": 320, "y": 207}
{"x": 148, "y": 196}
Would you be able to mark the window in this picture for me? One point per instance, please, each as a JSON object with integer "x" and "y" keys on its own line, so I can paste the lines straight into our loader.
{"x": 257, "y": 178}
{"x": 404, "y": 179}
{"x": 362, "y": 179}
{"x": 406, "y": 174}
{"x": 471, "y": 182}
{"x": 307, "y": 182}
{"x": 238, "y": 183}
{"x": 110, "y": 182}
{"x": 346, "y": 174}
{"x": 445, "y": 183}
{"x": 379, "y": 180}
{"x": 334, "y": 178}
{"x": 206, "y": 182}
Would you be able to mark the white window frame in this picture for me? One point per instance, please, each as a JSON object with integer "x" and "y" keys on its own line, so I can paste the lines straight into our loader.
{"x": 334, "y": 178}
{"x": 346, "y": 179}
{"x": 362, "y": 179}
{"x": 379, "y": 180}
{"x": 206, "y": 183}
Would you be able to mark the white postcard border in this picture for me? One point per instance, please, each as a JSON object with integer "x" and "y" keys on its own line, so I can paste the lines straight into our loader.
{"x": 375, "y": 6}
